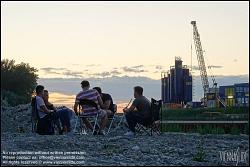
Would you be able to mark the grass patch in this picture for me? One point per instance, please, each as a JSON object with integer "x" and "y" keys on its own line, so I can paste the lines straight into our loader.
{"x": 247, "y": 129}
{"x": 110, "y": 149}
{"x": 200, "y": 155}
{"x": 206, "y": 113}
{"x": 172, "y": 128}
{"x": 218, "y": 131}
{"x": 201, "y": 129}
{"x": 235, "y": 131}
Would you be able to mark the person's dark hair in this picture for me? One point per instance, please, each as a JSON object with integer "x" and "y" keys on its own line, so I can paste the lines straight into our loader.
{"x": 85, "y": 83}
{"x": 46, "y": 91}
{"x": 99, "y": 90}
{"x": 138, "y": 89}
{"x": 39, "y": 89}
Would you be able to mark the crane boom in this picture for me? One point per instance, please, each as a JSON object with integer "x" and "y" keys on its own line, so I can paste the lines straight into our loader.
{"x": 200, "y": 57}
{"x": 202, "y": 66}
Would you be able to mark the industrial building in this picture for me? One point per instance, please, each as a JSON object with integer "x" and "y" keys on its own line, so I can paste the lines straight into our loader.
{"x": 177, "y": 84}
{"x": 236, "y": 95}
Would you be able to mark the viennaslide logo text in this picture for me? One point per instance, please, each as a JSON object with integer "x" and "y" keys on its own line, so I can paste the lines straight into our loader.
{"x": 236, "y": 156}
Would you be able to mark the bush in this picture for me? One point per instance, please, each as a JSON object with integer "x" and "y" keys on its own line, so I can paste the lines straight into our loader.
{"x": 12, "y": 99}
{"x": 4, "y": 102}
{"x": 235, "y": 131}
{"x": 17, "y": 82}
{"x": 218, "y": 131}
{"x": 172, "y": 128}
{"x": 247, "y": 129}
{"x": 200, "y": 155}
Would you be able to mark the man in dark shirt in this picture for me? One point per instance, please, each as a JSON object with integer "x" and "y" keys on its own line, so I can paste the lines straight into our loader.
{"x": 107, "y": 101}
{"x": 138, "y": 112}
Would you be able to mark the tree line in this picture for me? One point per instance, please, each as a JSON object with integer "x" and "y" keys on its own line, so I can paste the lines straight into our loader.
{"x": 18, "y": 82}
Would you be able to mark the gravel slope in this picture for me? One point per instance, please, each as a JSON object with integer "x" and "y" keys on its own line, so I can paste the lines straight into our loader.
{"x": 115, "y": 149}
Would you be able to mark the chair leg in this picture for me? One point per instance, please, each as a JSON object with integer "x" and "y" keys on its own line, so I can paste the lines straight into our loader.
{"x": 151, "y": 132}
{"x": 76, "y": 124}
{"x": 96, "y": 118}
{"x": 111, "y": 124}
{"x": 121, "y": 120}
{"x": 32, "y": 126}
{"x": 156, "y": 128}
{"x": 140, "y": 128}
{"x": 82, "y": 129}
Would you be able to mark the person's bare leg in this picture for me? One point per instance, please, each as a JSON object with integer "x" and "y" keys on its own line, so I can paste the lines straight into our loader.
{"x": 109, "y": 114}
{"x": 103, "y": 121}
{"x": 87, "y": 123}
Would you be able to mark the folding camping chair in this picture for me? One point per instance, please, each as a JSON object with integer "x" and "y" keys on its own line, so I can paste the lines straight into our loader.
{"x": 40, "y": 126}
{"x": 121, "y": 120}
{"x": 34, "y": 115}
{"x": 81, "y": 115}
{"x": 155, "y": 124}
{"x": 112, "y": 118}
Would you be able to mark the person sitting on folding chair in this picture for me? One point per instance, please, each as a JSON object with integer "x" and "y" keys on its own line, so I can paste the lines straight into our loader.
{"x": 108, "y": 104}
{"x": 46, "y": 116}
{"x": 65, "y": 114}
{"x": 91, "y": 94}
{"x": 138, "y": 112}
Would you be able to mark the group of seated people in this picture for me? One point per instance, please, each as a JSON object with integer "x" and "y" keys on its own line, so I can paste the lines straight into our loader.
{"x": 49, "y": 115}
{"x": 138, "y": 112}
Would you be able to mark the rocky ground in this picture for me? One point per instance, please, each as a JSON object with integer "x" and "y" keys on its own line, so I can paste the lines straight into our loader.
{"x": 115, "y": 149}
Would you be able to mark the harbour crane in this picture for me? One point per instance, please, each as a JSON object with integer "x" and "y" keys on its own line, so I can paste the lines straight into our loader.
{"x": 202, "y": 66}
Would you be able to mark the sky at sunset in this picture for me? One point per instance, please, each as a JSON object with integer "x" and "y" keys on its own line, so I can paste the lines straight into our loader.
{"x": 103, "y": 39}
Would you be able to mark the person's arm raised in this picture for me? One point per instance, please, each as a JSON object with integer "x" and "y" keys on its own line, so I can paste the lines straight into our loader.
{"x": 131, "y": 108}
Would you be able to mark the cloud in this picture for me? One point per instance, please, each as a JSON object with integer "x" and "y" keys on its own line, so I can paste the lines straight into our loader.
{"x": 75, "y": 74}
{"x": 129, "y": 69}
{"x": 75, "y": 64}
{"x": 46, "y": 69}
{"x": 106, "y": 74}
{"x": 135, "y": 69}
{"x": 93, "y": 65}
{"x": 213, "y": 66}
{"x": 194, "y": 68}
{"x": 139, "y": 66}
{"x": 115, "y": 72}
{"x": 158, "y": 67}
{"x": 52, "y": 70}
{"x": 102, "y": 74}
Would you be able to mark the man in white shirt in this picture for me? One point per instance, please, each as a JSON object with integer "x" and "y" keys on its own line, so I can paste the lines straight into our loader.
{"x": 40, "y": 105}
{"x": 46, "y": 116}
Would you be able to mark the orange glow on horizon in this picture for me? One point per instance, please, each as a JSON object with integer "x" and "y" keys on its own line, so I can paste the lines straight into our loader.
{"x": 59, "y": 99}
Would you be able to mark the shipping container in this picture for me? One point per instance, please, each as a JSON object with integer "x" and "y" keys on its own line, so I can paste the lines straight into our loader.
{"x": 235, "y": 95}
{"x": 211, "y": 103}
